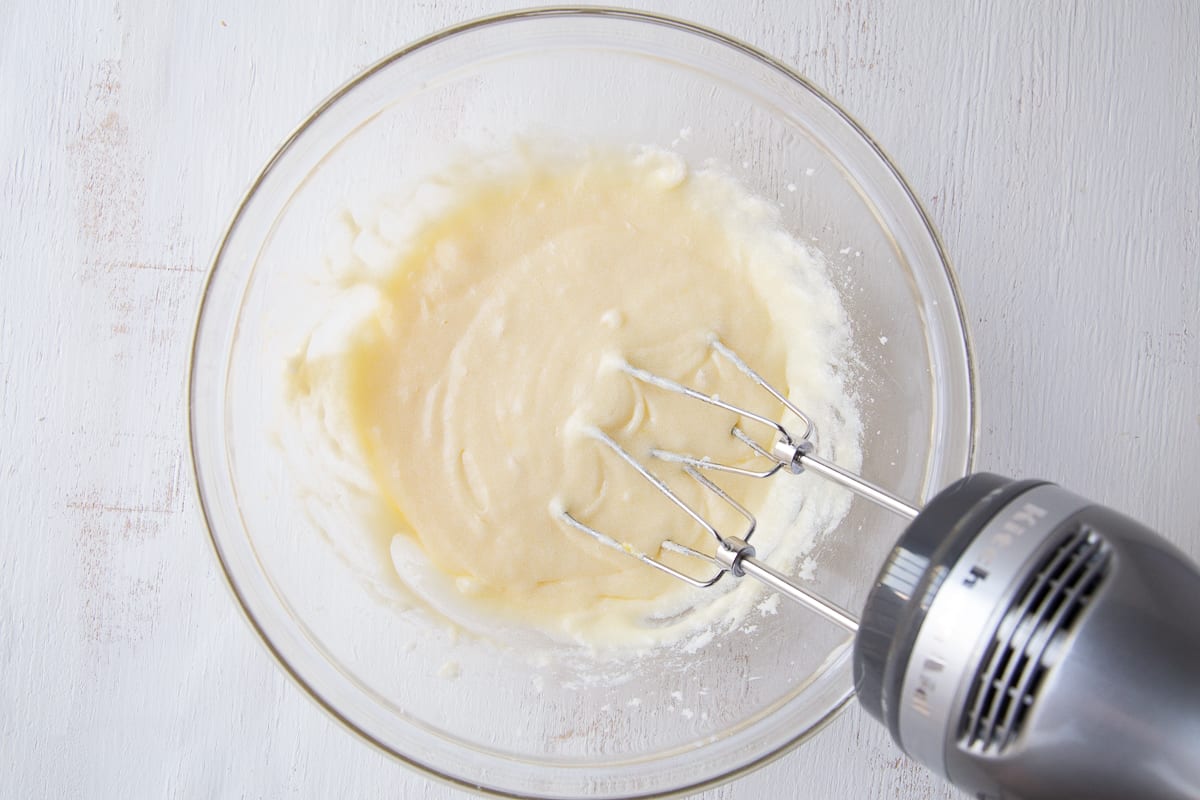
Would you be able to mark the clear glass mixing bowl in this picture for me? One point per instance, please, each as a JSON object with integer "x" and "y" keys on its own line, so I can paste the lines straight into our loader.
{"x": 681, "y": 721}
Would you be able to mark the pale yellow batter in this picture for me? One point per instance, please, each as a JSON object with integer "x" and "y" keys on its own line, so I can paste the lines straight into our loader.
{"x": 483, "y": 350}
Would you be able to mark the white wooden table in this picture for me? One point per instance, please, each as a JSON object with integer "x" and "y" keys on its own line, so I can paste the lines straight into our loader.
{"x": 1057, "y": 147}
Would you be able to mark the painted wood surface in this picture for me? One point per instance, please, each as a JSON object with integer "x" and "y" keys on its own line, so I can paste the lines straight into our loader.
{"x": 1056, "y": 145}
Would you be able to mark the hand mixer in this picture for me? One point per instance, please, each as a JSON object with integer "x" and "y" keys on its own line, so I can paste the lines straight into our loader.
{"x": 1020, "y": 640}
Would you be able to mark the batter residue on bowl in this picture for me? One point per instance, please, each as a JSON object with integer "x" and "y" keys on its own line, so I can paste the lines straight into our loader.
{"x": 475, "y": 337}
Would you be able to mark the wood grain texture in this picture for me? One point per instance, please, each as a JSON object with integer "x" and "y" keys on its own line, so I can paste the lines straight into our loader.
{"x": 1057, "y": 147}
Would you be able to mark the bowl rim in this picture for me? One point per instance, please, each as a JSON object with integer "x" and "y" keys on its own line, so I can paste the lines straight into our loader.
{"x": 654, "y": 18}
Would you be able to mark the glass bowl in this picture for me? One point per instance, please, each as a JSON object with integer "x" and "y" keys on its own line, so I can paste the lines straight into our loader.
{"x": 469, "y": 712}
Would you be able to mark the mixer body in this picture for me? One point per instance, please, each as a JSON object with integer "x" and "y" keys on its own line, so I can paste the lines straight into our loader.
{"x": 1027, "y": 643}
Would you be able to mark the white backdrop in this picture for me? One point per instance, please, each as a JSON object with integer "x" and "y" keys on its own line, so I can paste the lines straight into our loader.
{"x": 1056, "y": 146}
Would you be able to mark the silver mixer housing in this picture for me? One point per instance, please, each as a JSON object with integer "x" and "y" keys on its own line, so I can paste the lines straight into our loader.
{"x": 1027, "y": 643}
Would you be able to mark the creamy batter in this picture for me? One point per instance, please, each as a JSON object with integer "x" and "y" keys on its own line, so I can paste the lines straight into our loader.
{"x": 478, "y": 348}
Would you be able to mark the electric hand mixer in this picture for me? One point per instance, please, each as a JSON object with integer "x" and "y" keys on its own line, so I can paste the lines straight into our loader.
{"x": 1020, "y": 640}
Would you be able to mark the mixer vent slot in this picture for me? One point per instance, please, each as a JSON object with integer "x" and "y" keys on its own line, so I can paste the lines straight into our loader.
{"x": 1023, "y": 647}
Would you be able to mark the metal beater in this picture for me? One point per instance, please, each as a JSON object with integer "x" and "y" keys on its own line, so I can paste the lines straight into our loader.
{"x": 1020, "y": 640}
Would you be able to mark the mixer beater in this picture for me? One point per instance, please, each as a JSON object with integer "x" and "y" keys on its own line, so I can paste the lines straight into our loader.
{"x": 794, "y": 453}
{"x": 1020, "y": 640}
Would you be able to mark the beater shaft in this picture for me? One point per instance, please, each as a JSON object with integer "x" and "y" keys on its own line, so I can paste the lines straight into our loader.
{"x": 737, "y": 556}
{"x": 803, "y": 460}
{"x": 784, "y": 585}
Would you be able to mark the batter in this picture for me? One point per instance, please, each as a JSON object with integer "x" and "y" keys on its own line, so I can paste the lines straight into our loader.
{"x": 479, "y": 347}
